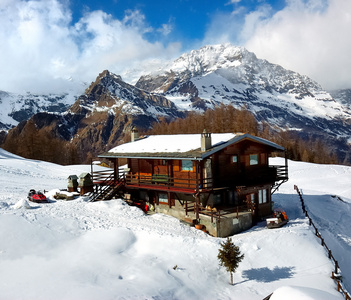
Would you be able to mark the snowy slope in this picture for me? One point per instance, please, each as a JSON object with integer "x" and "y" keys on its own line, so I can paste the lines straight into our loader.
{"x": 108, "y": 250}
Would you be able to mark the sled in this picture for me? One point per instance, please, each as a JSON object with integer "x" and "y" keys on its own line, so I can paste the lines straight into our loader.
{"x": 279, "y": 220}
{"x": 37, "y": 197}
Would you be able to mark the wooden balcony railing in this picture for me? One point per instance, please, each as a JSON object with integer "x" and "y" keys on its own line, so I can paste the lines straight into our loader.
{"x": 251, "y": 176}
{"x": 167, "y": 181}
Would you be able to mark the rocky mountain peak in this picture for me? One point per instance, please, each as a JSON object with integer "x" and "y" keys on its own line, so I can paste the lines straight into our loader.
{"x": 209, "y": 59}
{"x": 110, "y": 93}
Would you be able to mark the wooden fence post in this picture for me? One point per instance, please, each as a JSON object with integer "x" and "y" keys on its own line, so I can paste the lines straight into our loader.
{"x": 336, "y": 267}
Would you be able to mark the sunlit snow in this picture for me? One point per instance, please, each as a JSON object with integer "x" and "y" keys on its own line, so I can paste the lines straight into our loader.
{"x": 109, "y": 250}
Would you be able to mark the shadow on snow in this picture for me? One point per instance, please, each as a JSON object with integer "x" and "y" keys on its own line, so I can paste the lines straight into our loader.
{"x": 268, "y": 275}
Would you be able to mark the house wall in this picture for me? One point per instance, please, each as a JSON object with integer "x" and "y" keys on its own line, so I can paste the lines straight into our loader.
{"x": 176, "y": 211}
{"x": 250, "y": 195}
{"x": 228, "y": 225}
{"x": 228, "y": 172}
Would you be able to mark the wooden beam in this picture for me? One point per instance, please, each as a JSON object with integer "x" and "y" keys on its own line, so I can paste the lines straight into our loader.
{"x": 115, "y": 170}
{"x": 197, "y": 176}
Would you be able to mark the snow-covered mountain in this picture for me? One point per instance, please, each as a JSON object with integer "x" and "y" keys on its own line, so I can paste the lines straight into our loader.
{"x": 227, "y": 74}
{"x": 199, "y": 80}
{"x": 109, "y": 93}
{"x": 19, "y": 107}
{"x": 343, "y": 96}
{"x": 100, "y": 118}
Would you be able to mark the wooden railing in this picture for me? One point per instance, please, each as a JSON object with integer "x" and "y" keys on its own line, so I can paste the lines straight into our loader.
{"x": 103, "y": 176}
{"x": 282, "y": 172}
{"x": 168, "y": 182}
{"x": 274, "y": 172}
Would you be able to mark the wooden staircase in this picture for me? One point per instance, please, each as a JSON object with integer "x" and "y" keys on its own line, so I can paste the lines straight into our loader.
{"x": 282, "y": 176}
{"x": 107, "y": 192}
{"x": 105, "y": 186}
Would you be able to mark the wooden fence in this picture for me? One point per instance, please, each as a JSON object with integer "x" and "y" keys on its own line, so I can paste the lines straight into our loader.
{"x": 335, "y": 274}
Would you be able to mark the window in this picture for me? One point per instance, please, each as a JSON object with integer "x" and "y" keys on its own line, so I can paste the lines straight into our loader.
{"x": 187, "y": 165}
{"x": 234, "y": 159}
{"x": 262, "y": 196}
{"x": 252, "y": 196}
{"x": 253, "y": 159}
{"x": 162, "y": 198}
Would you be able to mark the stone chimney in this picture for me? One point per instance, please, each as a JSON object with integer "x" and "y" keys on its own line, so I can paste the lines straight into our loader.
{"x": 206, "y": 142}
{"x": 134, "y": 134}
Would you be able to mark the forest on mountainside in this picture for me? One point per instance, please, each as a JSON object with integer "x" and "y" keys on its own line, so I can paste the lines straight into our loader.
{"x": 30, "y": 141}
{"x": 34, "y": 143}
{"x": 226, "y": 118}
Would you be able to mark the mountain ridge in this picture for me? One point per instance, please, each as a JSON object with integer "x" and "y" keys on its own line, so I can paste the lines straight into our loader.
{"x": 199, "y": 80}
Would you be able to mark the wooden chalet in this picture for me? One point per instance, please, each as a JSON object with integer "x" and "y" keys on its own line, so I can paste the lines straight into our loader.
{"x": 223, "y": 181}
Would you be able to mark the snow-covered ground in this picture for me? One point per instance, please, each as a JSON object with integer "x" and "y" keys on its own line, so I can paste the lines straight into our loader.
{"x": 109, "y": 250}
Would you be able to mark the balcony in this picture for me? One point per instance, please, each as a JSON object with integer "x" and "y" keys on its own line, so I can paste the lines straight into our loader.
{"x": 190, "y": 185}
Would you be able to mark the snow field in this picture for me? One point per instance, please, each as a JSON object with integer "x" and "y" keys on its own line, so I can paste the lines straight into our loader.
{"x": 109, "y": 250}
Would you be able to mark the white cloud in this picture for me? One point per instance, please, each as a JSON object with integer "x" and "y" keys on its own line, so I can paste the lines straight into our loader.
{"x": 41, "y": 48}
{"x": 165, "y": 29}
{"x": 311, "y": 37}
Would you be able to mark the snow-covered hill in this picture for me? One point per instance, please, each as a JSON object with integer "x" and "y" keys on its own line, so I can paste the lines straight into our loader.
{"x": 109, "y": 250}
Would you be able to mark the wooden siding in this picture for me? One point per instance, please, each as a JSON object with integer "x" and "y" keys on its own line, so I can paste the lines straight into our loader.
{"x": 217, "y": 171}
{"x": 229, "y": 173}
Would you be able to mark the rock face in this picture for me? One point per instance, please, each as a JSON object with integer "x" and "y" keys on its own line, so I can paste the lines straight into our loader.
{"x": 110, "y": 93}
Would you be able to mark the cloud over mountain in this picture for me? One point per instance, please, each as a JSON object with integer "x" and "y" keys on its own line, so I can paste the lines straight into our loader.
{"x": 310, "y": 37}
{"x": 47, "y": 47}
{"x": 43, "y": 47}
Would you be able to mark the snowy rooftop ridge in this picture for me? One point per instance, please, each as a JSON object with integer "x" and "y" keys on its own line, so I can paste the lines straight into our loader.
{"x": 183, "y": 144}
{"x": 170, "y": 143}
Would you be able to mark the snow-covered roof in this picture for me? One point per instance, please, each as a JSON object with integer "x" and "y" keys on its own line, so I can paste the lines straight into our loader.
{"x": 169, "y": 143}
{"x": 180, "y": 146}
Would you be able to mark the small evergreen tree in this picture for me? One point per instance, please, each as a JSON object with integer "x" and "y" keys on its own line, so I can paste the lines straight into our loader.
{"x": 229, "y": 257}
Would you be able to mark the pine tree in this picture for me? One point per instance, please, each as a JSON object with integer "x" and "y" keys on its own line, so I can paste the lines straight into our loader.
{"x": 229, "y": 257}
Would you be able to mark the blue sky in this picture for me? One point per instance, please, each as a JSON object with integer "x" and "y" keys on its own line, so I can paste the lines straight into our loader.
{"x": 54, "y": 45}
{"x": 186, "y": 20}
